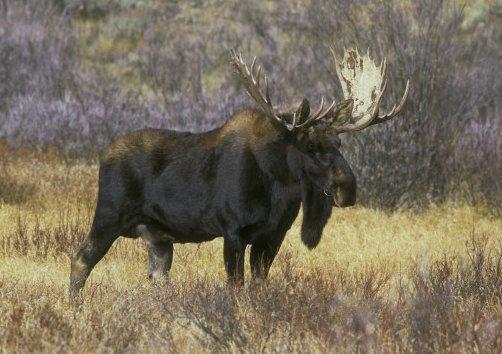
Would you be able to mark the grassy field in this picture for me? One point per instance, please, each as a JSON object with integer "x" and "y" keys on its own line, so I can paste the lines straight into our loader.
{"x": 378, "y": 281}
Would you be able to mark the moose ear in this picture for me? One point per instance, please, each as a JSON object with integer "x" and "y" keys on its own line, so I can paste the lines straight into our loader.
{"x": 341, "y": 113}
{"x": 303, "y": 110}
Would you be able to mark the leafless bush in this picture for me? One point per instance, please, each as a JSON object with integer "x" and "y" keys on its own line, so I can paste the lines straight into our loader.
{"x": 13, "y": 192}
{"x": 43, "y": 242}
{"x": 435, "y": 314}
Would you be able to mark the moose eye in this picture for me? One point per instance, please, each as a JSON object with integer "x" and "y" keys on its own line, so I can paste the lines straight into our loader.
{"x": 311, "y": 146}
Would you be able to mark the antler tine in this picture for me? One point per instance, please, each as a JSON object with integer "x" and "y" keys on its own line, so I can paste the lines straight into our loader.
{"x": 383, "y": 66}
{"x": 330, "y": 108}
{"x": 396, "y": 109}
{"x": 267, "y": 93}
{"x": 295, "y": 118}
{"x": 321, "y": 107}
{"x": 253, "y": 64}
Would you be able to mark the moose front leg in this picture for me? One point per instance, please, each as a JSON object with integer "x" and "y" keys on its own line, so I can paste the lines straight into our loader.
{"x": 263, "y": 253}
{"x": 160, "y": 259}
{"x": 233, "y": 255}
{"x": 261, "y": 259}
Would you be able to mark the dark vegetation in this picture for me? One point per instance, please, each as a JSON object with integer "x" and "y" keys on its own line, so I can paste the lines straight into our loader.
{"x": 76, "y": 74}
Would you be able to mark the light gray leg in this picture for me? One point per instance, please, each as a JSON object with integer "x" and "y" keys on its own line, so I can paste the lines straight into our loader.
{"x": 160, "y": 259}
{"x": 160, "y": 252}
{"x": 83, "y": 261}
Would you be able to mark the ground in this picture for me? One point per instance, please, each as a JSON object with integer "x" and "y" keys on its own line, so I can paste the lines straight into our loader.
{"x": 379, "y": 281}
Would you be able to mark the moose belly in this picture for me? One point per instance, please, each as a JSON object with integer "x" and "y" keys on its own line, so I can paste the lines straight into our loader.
{"x": 192, "y": 238}
{"x": 154, "y": 232}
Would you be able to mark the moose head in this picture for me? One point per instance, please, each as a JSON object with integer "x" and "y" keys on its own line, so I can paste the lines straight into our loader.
{"x": 316, "y": 134}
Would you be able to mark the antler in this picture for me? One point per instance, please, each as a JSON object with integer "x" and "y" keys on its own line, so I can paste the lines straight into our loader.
{"x": 364, "y": 82}
{"x": 251, "y": 79}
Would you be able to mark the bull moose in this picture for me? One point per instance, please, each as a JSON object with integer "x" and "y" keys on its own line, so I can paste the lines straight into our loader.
{"x": 244, "y": 181}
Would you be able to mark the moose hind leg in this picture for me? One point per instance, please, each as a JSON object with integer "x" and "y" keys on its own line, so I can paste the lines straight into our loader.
{"x": 87, "y": 256}
{"x": 160, "y": 252}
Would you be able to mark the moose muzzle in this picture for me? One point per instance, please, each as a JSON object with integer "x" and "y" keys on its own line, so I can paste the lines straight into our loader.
{"x": 343, "y": 184}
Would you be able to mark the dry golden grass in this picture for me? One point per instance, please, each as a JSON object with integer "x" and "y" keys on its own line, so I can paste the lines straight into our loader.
{"x": 378, "y": 281}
